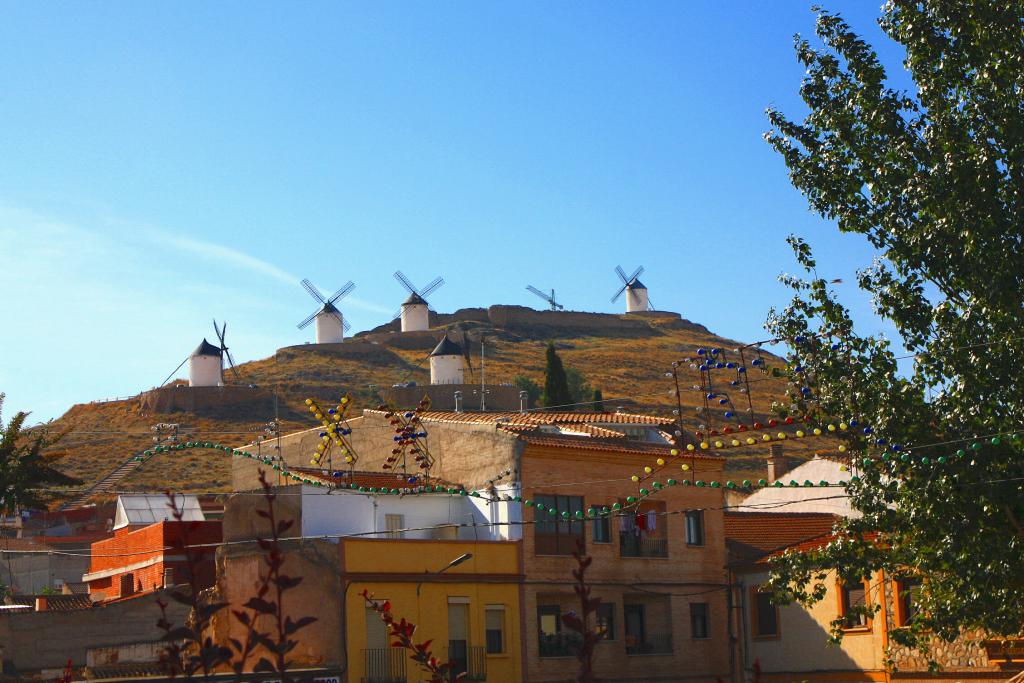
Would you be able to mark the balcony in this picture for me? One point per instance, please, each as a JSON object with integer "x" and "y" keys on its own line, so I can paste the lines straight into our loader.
{"x": 467, "y": 659}
{"x": 651, "y": 644}
{"x": 384, "y": 665}
{"x": 631, "y": 545}
{"x": 559, "y": 645}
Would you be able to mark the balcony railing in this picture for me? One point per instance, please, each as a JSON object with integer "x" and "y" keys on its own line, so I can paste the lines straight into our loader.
{"x": 468, "y": 659}
{"x": 652, "y": 644}
{"x": 559, "y": 645}
{"x": 384, "y": 665}
{"x": 631, "y": 545}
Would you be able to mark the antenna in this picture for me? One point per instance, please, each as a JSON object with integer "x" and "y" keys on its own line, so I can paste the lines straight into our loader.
{"x": 431, "y": 287}
{"x": 555, "y": 306}
{"x": 327, "y": 306}
{"x": 626, "y": 281}
{"x": 224, "y": 353}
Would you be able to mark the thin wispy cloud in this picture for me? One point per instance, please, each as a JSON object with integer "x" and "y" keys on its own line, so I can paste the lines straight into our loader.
{"x": 223, "y": 255}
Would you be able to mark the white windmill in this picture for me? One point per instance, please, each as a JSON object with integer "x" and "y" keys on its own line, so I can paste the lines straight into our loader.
{"x": 636, "y": 292}
{"x": 415, "y": 311}
{"x": 206, "y": 364}
{"x": 446, "y": 363}
{"x": 330, "y": 325}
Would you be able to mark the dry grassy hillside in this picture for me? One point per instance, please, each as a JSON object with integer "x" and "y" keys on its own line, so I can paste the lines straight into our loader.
{"x": 628, "y": 365}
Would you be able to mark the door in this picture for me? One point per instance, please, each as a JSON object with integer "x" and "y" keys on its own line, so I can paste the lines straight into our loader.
{"x": 458, "y": 637}
{"x": 635, "y": 634}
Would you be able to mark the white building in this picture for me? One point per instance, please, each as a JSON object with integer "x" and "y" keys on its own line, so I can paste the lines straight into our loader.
{"x": 794, "y": 499}
{"x": 330, "y": 326}
{"x": 204, "y": 366}
{"x": 636, "y": 297}
{"x": 446, "y": 363}
{"x": 415, "y": 314}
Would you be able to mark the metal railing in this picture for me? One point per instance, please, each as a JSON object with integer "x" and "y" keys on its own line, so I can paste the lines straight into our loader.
{"x": 559, "y": 645}
{"x": 467, "y": 659}
{"x": 631, "y": 545}
{"x": 384, "y": 665}
{"x": 652, "y": 644}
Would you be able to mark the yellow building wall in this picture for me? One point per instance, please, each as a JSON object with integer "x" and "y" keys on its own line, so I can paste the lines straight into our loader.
{"x": 391, "y": 569}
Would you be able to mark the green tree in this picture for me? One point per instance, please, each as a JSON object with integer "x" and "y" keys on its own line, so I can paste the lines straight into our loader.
{"x": 579, "y": 389}
{"x": 26, "y": 470}
{"x": 556, "y": 386}
{"x": 598, "y": 401}
{"x": 933, "y": 180}
{"x": 532, "y": 389}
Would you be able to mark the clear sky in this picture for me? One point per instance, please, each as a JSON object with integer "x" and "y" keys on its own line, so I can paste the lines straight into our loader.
{"x": 162, "y": 164}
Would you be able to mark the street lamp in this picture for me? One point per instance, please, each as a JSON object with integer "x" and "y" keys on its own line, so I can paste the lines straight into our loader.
{"x": 454, "y": 563}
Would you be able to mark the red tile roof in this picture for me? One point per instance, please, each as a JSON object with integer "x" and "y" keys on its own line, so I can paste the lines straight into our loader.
{"x": 56, "y": 603}
{"x": 538, "y": 417}
{"x": 752, "y": 536}
{"x": 614, "y": 445}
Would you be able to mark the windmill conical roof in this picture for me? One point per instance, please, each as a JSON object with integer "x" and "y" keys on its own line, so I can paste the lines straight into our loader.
{"x": 636, "y": 284}
{"x": 206, "y": 349}
{"x": 414, "y": 299}
{"x": 446, "y": 347}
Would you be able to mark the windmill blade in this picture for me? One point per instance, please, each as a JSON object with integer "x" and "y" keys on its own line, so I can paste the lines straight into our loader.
{"x": 313, "y": 291}
{"x": 231, "y": 364}
{"x": 344, "y": 323}
{"x": 220, "y": 331}
{"x": 308, "y": 320}
{"x": 636, "y": 273}
{"x": 342, "y": 293}
{"x": 337, "y": 316}
{"x": 400, "y": 276}
{"x": 619, "y": 293}
{"x": 541, "y": 294}
{"x": 432, "y": 287}
{"x": 650, "y": 306}
{"x": 622, "y": 274}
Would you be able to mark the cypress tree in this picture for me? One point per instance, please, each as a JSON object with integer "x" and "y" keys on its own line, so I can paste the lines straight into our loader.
{"x": 556, "y": 386}
{"x": 598, "y": 401}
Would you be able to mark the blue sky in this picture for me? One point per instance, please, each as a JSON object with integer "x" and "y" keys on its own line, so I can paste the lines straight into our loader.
{"x": 162, "y": 164}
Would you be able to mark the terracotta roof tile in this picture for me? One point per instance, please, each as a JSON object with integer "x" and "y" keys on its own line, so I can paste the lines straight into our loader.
{"x": 56, "y": 603}
{"x": 537, "y": 417}
{"x": 751, "y": 536}
{"x": 615, "y": 445}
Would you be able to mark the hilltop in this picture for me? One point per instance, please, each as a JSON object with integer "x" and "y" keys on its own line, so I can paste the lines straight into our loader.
{"x": 626, "y": 356}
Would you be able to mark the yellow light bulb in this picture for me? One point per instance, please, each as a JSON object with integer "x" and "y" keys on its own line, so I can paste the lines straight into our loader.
{"x": 690, "y": 447}
{"x": 684, "y": 468}
{"x": 660, "y": 461}
{"x": 703, "y": 444}
{"x": 735, "y": 442}
{"x": 348, "y": 458}
{"x": 309, "y": 401}
{"x": 648, "y": 470}
{"x": 319, "y": 416}
{"x": 718, "y": 444}
{"x": 673, "y": 452}
{"x": 817, "y": 431}
{"x": 766, "y": 437}
{"x": 843, "y": 426}
{"x": 799, "y": 434}
{"x": 781, "y": 435}
{"x": 337, "y": 417}
{"x": 344, "y": 400}
{"x": 634, "y": 478}
{"x": 842, "y": 448}
{"x": 831, "y": 428}
{"x": 750, "y": 440}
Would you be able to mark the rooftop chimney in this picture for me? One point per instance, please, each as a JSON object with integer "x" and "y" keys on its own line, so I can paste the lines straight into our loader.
{"x": 776, "y": 466}
{"x": 41, "y": 605}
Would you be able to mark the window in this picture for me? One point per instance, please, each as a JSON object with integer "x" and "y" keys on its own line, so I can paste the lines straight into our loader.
{"x": 601, "y": 530}
{"x": 851, "y": 597}
{"x": 458, "y": 634}
{"x": 494, "y": 620}
{"x": 557, "y": 534}
{"x": 394, "y": 525}
{"x": 765, "y": 621}
{"x": 699, "y": 619}
{"x": 552, "y": 641}
{"x": 907, "y": 591}
{"x": 695, "y": 527}
{"x": 606, "y": 620}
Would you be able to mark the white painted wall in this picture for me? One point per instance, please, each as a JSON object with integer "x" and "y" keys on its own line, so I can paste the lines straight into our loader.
{"x": 204, "y": 371}
{"x": 636, "y": 300}
{"x": 831, "y": 500}
{"x": 352, "y": 512}
{"x": 446, "y": 370}
{"x": 415, "y": 317}
{"x": 329, "y": 329}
